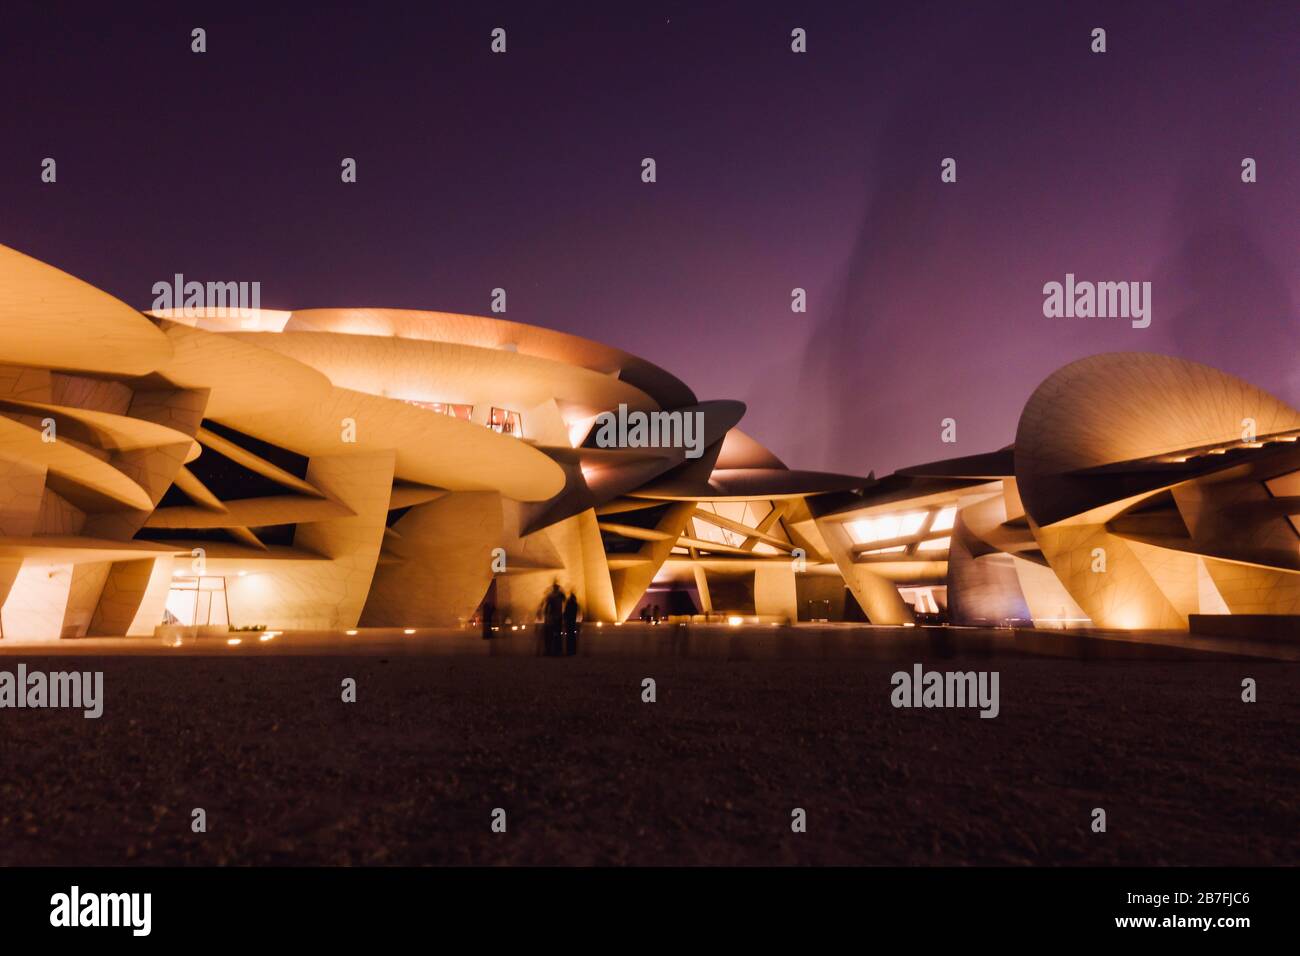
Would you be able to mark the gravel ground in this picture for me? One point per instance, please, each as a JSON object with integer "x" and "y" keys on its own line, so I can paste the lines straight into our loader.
{"x": 709, "y": 774}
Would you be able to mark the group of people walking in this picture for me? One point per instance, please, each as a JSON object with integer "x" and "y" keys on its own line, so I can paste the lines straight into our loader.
{"x": 559, "y": 623}
{"x": 559, "y": 616}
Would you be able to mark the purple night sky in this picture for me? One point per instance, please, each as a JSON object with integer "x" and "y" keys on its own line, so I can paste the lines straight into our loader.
{"x": 775, "y": 170}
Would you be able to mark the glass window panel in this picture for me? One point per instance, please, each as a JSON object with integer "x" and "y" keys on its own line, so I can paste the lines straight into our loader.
{"x": 735, "y": 510}
{"x": 943, "y": 521}
{"x": 911, "y": 523}
{"x": 885, "y": 527}
{"x": 934, "y": 544}
{"x": 506, "y": 422}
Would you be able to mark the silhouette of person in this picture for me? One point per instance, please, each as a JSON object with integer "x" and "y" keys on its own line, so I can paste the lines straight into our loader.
{"x": 553, "y": 621}
{"x": 489, "y": 611}
{"x": 654, "y": 615}
{"x": 571, "y": 625}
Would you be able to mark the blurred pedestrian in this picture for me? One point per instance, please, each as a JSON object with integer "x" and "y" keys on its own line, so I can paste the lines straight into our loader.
{"x": 571, "y": 625}
{"x": 553, "y": 621}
